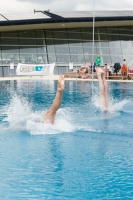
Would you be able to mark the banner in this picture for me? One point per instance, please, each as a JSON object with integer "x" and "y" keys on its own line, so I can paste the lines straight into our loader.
{"x": 11, "y": 65}
{"x": 70, "y": 65}
{"x": 29, "y": 69}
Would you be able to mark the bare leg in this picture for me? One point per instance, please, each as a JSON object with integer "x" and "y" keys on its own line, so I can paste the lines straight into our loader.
{"x": 105, "y": 90}
{"x": 50, "y": 115}
{"x": 103, "y": 86}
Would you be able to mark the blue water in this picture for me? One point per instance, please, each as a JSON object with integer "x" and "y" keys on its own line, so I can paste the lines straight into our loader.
{"x": 86, "y": 154}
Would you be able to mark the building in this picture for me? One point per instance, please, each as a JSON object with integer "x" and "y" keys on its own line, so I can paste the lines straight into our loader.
{"x": 63, "y": 37}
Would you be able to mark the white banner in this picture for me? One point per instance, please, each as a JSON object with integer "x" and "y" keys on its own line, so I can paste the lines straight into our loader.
{"x": 70, "y": 65}
{"x": 11, "y": 65}
{"x": 29, "y": 69}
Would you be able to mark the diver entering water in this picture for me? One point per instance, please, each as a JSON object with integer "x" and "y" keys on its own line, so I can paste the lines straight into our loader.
{"x": 103, "y": 86}
{"x": 51, "y": 113}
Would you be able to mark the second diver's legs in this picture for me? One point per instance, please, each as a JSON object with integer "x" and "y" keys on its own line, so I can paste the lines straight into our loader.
{"x": 103, "y": 86}
{"x": 105, "y": 90}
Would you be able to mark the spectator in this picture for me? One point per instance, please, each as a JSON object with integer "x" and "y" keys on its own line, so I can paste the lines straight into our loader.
{"x": 124, "y": 62}
{"x": 84, "y": 72}
{"x": 124, "y": 70}
{"x": 98, "y": 61}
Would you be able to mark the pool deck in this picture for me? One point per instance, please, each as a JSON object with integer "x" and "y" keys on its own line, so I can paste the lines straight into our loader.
{"x": 54, "y": 77}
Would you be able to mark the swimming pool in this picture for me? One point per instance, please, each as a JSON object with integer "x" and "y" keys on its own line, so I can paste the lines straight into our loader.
{"x": 85, "y": 155}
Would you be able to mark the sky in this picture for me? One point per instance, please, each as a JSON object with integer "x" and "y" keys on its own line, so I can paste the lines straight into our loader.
{"x": 28, "y": 6}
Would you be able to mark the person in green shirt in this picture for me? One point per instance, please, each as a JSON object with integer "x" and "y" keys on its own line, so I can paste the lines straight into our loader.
{"x": 98, "y": 60}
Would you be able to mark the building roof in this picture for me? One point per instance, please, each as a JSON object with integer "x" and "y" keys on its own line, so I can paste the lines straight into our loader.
{"x": 46, "y": 17}
{"x": 61, "y": 20}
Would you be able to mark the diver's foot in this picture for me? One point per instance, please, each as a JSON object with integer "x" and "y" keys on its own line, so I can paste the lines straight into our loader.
{"x": 61, "y": 83}
{"x": 99, "y": 71}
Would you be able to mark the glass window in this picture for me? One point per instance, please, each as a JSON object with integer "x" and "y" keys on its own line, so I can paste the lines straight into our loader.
{"x": 10, "y": 58}
{"x": 76, "y": 50}
{"x": 112, "y": 34}
{"x": 87, "y": 30}
{"x": 50, "y": 49}
{"x": 106, "y": 59}
{"x": 61, "y": 50}
{"x": 125, "y": 29}
{"x": 129, "y": 59}
{"x": 27, "y": 49}
{"x": 1, "y": 72}
{"x": 86, "y": 36}
{"x": 126, "y": 44}
{"x": 51, "y": 58}
{"x": 41, "y": 49}
{"x": 89, "y": 44}
{"x": 6, "y": 71}
{"x": 10, "y": 49}
{"x": 60, "y": 42}
{"x": 127, "y": 51}
{"x": 102, "y": 31}
{"x": 105, "y": 50}
{"x": 90, "y": 50}
{"x": 60, "y": 38}
{"x": 115, "y": 51}
{"x": 102, "y": 37}
{"x": 27, "y": 38}
{"x": 40, "y": 38}
{"x": 104, "y": 44}
{"x": 28, "y": 58}
{"x": 49, "y": 42}
{"x": 9, "y": 38}
{"x": 88, "y": 58}
{"x": 42, "y": 58}
{"x": 125, "y": 37}
{"x": 0, "y": 59}
{"x": 115, "y": 44}
{"x": 115, "y": 59}
{"x": 63, "y": 58}
{"x": 74, "y": 42}
{"x": 74, "y": 37}
{"x": 77, "y": 58}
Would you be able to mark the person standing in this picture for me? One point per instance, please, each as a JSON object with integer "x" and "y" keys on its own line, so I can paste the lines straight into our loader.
{"x": 124, "y": 70}
{"x": 98, "y": 61}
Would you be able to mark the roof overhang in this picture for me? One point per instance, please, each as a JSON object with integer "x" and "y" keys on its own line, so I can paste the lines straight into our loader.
{"x": 46, "y": 20}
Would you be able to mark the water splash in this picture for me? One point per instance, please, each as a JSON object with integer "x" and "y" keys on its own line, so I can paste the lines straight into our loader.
{"x": 20, "y": 116}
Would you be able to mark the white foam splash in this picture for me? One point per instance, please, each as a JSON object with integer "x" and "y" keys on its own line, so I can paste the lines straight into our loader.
{"x": 114, "y": 104}
{"x": 20, "y": 116}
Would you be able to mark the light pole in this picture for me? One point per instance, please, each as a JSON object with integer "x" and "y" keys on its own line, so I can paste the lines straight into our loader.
{"x": 93, "y": 38}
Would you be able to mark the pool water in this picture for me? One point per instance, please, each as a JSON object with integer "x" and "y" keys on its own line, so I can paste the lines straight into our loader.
{"x": 87, "y": 154}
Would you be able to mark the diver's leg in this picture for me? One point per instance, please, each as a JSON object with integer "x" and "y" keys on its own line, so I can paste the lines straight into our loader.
{"x": 105, "y": 90}
{"x": 101, "y": 85}
{"x": 50, "y": 115}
